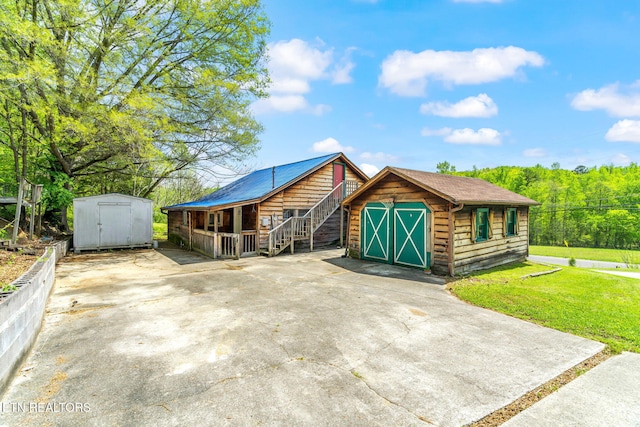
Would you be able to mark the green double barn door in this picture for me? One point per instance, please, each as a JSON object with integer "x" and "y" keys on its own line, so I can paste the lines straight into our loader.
{"x": 397, "y": 234}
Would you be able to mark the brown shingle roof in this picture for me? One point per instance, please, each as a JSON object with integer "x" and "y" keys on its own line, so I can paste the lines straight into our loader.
{"x": 456, "y": 189}
{"x": 462, "y": 189}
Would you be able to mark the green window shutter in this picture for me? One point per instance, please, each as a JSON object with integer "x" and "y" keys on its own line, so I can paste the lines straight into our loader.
{"x": 474, "y": 226}
{"x": 512, "y": 222}
{"x": 490, "y": 224}
{"x": 505, "y": 221}
{"x": 482, "y": 224}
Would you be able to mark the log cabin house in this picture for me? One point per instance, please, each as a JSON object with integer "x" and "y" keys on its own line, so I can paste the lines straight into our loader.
{"x": 269, "y": 210}
{"x": 449, "y": 224}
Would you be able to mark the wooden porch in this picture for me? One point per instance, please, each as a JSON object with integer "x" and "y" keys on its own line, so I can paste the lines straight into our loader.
{"x": 221, "y": 244}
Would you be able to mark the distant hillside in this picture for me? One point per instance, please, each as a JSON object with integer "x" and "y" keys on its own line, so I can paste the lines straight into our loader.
{"x": 595, "y": 207}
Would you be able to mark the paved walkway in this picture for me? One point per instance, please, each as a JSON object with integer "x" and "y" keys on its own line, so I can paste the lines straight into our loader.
{"x": 631, "y": 274}
{"x": 152, "y": 338}
{"x": 607, "y": 395}
{"x": 583, "y": 263}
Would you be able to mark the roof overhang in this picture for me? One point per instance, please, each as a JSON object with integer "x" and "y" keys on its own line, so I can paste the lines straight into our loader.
{"x": 213, "y": 207}
{"x": 388, "y": 170}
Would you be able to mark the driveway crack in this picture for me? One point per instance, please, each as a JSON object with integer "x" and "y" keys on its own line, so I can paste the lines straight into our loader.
{"x": 381, "y": 396}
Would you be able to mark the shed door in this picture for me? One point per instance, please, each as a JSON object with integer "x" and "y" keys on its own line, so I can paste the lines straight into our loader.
{"x": 376, "y": 242}
{"x": 114, "y": 224}
{"x": 410, "y": 238}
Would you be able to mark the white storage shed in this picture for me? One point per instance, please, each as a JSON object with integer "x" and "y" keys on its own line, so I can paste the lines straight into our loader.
{"x": 112, "y": 221}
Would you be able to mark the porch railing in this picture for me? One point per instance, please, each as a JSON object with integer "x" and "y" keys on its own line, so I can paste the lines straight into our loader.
{"x": 229, "y": 245}
{"x": 322, "y": 210}
{"x": 350, "y": 187}
{"x": 248, "y": 238}
{"x": 205, "y": 241}
{"x": 281, "y": 236}
{"x": 224, "y": 245}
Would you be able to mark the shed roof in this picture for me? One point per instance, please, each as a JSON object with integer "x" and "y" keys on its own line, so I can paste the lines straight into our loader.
{"x": 112, "y": 196}
{"x": 455, "y": 189}
{"x": 261, "y": 184}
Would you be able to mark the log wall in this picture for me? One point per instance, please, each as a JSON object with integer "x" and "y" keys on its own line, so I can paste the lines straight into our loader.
{"x": 467, "y": 255}
{"x": 497, "y": 250}
{"x": 393, "y": 188}
{"x": 303, "y": 195}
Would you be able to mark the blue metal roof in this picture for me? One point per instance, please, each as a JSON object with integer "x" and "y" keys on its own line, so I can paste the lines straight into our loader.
{"x": 257, "y": 184}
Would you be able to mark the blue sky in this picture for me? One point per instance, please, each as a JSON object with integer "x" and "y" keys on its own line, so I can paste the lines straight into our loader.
{"x": 486, "y": 83}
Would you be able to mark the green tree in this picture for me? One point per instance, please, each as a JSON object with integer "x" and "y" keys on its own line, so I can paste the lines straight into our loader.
{"x": 133, "y": 90}
{"x": 445, "y": 167}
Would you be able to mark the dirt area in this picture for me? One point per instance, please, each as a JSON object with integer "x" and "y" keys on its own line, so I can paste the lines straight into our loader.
{"x": 14, "y": 263}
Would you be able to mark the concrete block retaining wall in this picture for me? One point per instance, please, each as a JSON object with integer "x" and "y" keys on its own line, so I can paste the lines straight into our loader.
{"x": 22, "y": 312}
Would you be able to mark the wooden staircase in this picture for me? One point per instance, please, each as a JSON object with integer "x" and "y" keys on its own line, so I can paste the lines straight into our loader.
{"x": 302, "y": 228}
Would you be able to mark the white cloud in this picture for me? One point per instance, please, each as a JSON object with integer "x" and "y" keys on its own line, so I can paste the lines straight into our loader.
{"x": 369, "y": 169}
{"x": 320, "y": 109}
{"x": 341, "y": 74}
{"x": 621, "y": 159}
{"x": 610, "y": 99}
{"x": 483, "y": 136}
{"x": 330, "y": 145}
{"x": 406, "y": 73}
{"x": 436, "y": 132}
{"x": 297, "y": 59}
{"x": 379, "y": 157}
{"x": 625, "y": 130}
{"x": 280, "y": 103}
{"x": 534, "y": 152}
{"x": 342, "y": 71}
{"x": 293, "y": 66}
{"x": 473, "y": 106}
{"x": 288, "y": 104}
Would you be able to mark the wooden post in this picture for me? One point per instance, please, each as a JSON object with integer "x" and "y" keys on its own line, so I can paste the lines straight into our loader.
{"x": 311, "y": 230}
{"x": 450, "y": 244}
{"x": 190, "y": 232}
{"x": 451, "y": 248}
{"x": 257, "y": 228}
{"x": 293, "y": 232}
{"x": 32, "y": 218}
{"x": 16, "y": 222}
{"x": 341, "y": 209}
{"x": 237, "y": 227}
{"x": 39, "y": 218}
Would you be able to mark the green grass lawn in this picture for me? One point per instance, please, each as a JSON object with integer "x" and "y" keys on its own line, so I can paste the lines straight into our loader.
{"x": 159, "y": 231}
{"x": 593, "y": 305}
{"x": 596, "y": 254}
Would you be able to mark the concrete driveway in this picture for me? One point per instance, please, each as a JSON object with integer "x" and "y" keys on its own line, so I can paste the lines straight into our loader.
{"x": 168, "y": 338}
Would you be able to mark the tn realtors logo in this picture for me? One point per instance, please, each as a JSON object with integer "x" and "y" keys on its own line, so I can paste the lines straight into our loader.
{"x": 56, "y": 407}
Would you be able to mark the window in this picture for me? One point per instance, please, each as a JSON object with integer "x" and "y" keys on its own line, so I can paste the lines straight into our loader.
{"x": 512, "y": 222}
{"x": 287, "y": 213}
{"x": 482, "y": 224}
